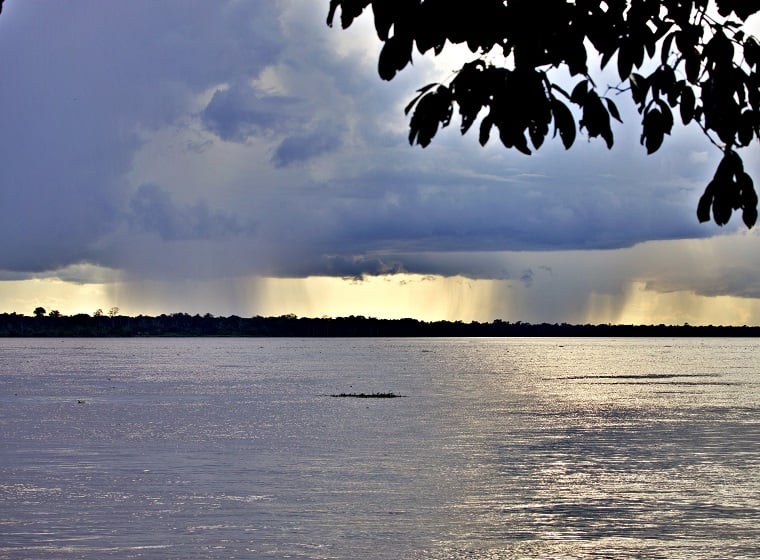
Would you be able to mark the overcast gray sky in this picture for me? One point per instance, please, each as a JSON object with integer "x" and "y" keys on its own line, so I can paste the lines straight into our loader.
{"x": 181, "y": 142}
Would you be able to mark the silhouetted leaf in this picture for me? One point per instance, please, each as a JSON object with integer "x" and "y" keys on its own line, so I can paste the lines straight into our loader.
{"x": 606, "y": 134}
{"x": 511, "y": 137}
{"x": 349, "y": 11}
{"x": 749, "y": 217}
{"x": 394, "y": 56}
{"x": 721, "y": 207}
{"x": 663, "y": 82}
{"x": 730, "y": 165}
{"x": 428, "y": 38}
{"x": 692, "y": 64}
{"x": 667, "y": 45}
{"x": 564, "y": 123}
{"x": 468, "y": 114}
{"x": 537, "y": 131}
{"x": 521, "y": 143}
{"x": 667, "y": 116}
{"x": 420, "y": 92}
{"x": 580, "y": 91}
{"x": 596, "y": 119}
{"x": 383, "y": 12}
{"x": 471, "y": 91}
{"x": 331, "y": 11}
{"x": 650, "y": 42}
{"x": 687, "y": 104}
{"x": 606, "y": 57}
{"x": 654, "y": 131}
{"x": 485, "y": 130}
{"x": 639, "y": 88}
{"x": 538, "y": 126}
{"x": 705, "y": 203}
{"x": 637, "y": 52}
{"x": 613, "y": 109}
{"x": 433, "y": 110}
{"x": 674, "y": 95}
{"x": 746, "y": 190}
{"x": 625, "y": 61}
{"x": 746, "y": 127}
{"x": 574, "y": 53}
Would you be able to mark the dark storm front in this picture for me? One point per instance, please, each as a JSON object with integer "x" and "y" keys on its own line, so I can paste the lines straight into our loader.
{"x": 498, "y": 448}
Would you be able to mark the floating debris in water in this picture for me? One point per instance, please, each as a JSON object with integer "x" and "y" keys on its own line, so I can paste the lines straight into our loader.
{"x": 368, "y": 395}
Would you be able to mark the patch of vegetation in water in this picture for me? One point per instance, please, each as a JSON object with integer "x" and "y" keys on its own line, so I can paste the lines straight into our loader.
{"x": 368, "y": 395}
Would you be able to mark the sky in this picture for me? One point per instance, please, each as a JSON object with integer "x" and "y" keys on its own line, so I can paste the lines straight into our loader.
{"x": 241, "y": 157}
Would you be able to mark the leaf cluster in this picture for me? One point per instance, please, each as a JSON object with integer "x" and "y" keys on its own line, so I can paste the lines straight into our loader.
{"x": 730, "y": 189}
{"x": 675, "y": 58}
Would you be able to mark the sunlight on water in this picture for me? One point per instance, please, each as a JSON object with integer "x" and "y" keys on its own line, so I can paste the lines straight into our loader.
{"x": 497, "y": 449}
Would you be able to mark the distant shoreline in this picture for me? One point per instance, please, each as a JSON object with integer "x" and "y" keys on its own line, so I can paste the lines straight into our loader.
{"x": 185, "y": 325}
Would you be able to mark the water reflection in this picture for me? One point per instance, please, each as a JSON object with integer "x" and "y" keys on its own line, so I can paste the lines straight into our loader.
{"x": 614, "y": 462}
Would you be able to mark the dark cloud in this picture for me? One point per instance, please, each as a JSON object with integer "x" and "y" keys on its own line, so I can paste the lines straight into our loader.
{"x": 238, "y": 112}
{"x": 300, "y": 148}
{"x": 81, "y": 82}
{"x": 441, "y": 206}
{"x": 152, "y": 210}
{"x": 348, "y": 266}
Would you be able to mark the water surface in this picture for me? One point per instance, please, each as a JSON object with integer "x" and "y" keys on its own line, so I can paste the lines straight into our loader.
{"x": 499, "y": 448}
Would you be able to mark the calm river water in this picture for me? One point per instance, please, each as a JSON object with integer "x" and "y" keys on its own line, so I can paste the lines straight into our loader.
{"x": 498, "y": 449}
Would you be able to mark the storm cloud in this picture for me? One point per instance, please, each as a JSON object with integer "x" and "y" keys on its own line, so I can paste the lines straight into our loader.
{"x": 189, "y": 139}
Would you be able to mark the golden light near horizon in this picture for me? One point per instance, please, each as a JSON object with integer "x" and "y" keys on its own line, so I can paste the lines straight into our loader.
{"x": 640, "y": 306}
{"x": 645, "y": 284}
{"x": 422, "y": 297}
{"x": 70, "y": 298}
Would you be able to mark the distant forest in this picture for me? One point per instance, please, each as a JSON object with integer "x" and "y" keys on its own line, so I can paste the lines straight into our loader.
{"x": 183, "y": 324}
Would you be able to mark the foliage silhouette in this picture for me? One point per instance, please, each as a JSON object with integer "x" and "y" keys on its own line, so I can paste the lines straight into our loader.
{"x": 183, "y": 324}
{"x": 689, "y": 55}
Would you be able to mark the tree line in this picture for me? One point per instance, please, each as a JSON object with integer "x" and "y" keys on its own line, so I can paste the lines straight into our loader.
{"x": 186, "y": 325}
